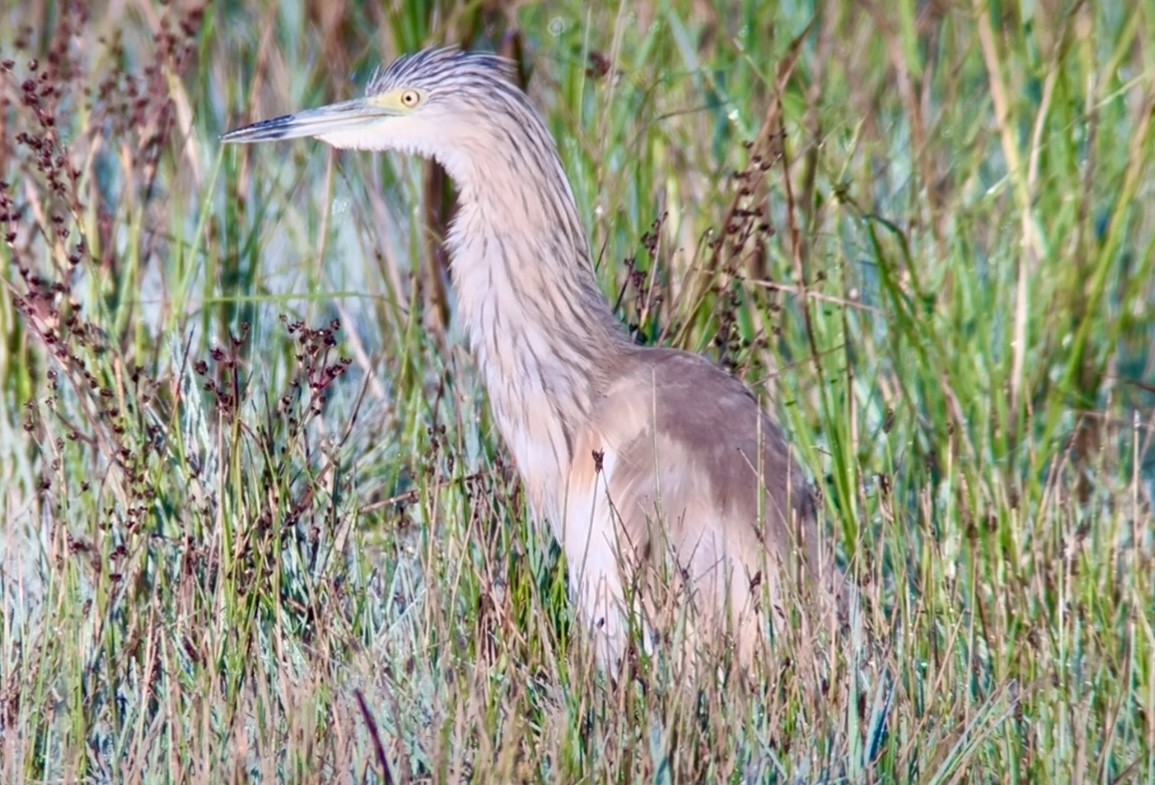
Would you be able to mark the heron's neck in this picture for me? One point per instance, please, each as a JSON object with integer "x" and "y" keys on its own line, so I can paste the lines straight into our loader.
{"x": 542, "y": 333}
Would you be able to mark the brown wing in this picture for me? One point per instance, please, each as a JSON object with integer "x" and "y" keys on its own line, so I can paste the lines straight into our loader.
{"x": 703, "y": 475}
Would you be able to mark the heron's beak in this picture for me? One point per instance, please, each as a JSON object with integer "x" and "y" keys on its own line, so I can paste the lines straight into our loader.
{"x": 344, "y": 116}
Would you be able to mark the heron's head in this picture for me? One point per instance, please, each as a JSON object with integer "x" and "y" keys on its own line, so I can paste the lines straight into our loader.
{"x": 440, "y": 103}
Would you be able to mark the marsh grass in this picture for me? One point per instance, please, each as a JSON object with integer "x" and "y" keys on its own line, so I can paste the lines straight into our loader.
{"x": 259, "y": 526}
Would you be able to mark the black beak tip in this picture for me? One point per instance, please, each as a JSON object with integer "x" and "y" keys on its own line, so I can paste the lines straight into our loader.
{"x": 263, "y": 131}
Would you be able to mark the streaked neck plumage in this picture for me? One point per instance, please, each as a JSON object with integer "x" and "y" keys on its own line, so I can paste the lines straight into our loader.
{"x": 541, "y": 330}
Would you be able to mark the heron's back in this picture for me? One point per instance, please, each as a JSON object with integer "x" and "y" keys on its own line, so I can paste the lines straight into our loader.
{"x": 703, "y": 495}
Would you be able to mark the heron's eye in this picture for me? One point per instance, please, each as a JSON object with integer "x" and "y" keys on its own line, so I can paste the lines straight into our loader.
{"x": 410, "y": 98}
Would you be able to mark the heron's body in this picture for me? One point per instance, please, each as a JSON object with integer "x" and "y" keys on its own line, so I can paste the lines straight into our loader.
{"x": 636, "y": 457}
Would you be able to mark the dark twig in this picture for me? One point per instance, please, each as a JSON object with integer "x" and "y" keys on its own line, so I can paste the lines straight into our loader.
{"x": 371, "y": 723}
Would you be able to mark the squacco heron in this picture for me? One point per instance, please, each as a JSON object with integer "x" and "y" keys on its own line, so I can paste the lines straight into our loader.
{"x": 636, "y": 457}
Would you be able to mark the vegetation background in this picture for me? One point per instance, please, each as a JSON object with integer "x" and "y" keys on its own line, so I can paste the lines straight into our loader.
{"x": 258, "y": 525}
